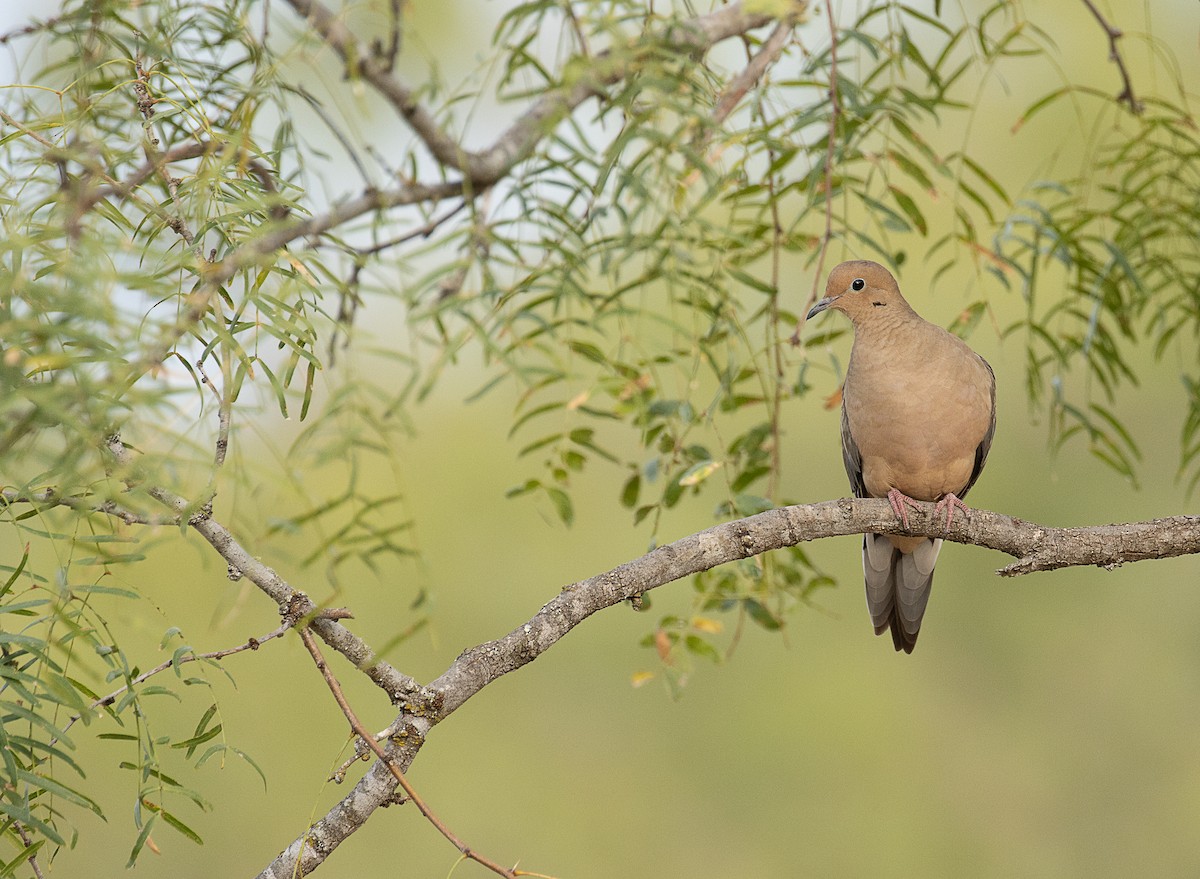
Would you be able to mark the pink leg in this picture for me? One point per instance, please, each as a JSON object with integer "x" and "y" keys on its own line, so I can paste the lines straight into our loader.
{"x": 950, "y": 501}
{"x": 899, "y": 501}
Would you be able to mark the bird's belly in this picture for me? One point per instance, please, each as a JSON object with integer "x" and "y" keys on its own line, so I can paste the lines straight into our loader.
{"x": 916, "y": 434}
{"x": 921, "y": 480}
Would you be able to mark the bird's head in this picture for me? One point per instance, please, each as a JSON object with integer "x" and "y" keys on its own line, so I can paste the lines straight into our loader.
{"x": 859, "y": 288}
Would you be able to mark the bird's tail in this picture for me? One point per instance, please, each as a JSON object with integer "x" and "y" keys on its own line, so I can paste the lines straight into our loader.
{"x": 898, "y": 585}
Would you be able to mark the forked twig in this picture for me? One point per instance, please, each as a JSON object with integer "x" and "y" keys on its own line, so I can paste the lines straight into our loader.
{"x": 250, "y": 644}
{"x": 361, "y": 731}
{"x": 32, "y": 859}
{"x": 1126, "y": 95}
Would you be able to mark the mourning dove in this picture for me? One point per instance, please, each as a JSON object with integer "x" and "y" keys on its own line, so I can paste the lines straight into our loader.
{"x": 918, "y": 414}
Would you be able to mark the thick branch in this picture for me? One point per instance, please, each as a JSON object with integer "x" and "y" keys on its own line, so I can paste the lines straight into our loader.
{"x": 1037, "y": 548}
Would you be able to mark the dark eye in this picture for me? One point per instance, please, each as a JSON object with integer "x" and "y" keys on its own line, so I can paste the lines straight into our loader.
{"x": 858, "y": 284}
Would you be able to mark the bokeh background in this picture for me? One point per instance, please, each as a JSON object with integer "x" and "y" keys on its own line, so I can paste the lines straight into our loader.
{"x": 1045, "y": 726}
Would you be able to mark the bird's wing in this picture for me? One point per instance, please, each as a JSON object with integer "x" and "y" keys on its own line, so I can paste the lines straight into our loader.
{"x": 985, "y": 445}
{"x": 851, "y": 457}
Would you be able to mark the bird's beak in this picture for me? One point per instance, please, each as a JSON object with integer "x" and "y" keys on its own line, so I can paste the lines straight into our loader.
{"x": 820, "y": 306}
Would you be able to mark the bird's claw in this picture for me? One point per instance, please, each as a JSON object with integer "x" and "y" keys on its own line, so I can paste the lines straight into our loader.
{"x": 900, "y": 501}
{"x": 950, "y": 501}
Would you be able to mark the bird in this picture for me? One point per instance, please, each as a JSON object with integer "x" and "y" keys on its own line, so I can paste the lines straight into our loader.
{"x": 918, "y": 417}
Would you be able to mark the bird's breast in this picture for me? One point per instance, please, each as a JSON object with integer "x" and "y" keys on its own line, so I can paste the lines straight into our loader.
{"x": 917, "y": 428}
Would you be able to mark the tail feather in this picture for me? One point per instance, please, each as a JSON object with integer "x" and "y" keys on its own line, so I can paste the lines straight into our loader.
{"x": 898, "y": 585}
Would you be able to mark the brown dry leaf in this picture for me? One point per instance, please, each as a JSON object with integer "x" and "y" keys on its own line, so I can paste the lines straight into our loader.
{"x": 662, "y": 643}
{"x": 835, "y": 399}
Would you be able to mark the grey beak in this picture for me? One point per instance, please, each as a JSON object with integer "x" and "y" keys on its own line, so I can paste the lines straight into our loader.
{"x": 820, "y": 306}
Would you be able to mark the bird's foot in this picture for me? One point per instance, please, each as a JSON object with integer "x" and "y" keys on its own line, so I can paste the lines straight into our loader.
{"x": 949, "y": 502}
{"x": 900, "y": 502}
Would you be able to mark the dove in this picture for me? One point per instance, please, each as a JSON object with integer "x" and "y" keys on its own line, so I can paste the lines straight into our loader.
{"x": 918, "y": 416}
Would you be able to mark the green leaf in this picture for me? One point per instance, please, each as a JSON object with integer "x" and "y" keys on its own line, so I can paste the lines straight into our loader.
{"x": 8, "y": 584}
{"x": 629, "y": 493}
{"x": 42, "y": 782}
{"x": 910, "y": 209}
{"x": 761, "y": 615}
{"x": 140, "y": 842}
{"x": 701, "y": 647}
{"x": 562, "y": 505}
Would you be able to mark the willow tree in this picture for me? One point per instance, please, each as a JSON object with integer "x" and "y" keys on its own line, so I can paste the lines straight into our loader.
{"x": 206, "y": 232}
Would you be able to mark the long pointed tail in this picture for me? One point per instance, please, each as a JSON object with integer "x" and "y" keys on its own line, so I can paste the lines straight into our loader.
{"x": 898, "y": 585}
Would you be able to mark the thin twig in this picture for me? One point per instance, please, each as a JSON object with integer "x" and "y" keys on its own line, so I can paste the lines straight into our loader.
{"x": 835, "y": 113}
{"x": 580, "y": 37}
{"x": 48, "y": 497}
{"x": 251, "y": 644}
{"x": 337, "y": 130}
{"x": 145, "y": 106}
{"x": 423, "y": 231}
{"x": 477, "y": 246}
{"x": 350, "y": 300}
{"x": 359, "y": 730}
{"x": 775, "y": 348}
{"x": 393, "y": 48}
{"x": 32, "y": 859}
{"x": 224, "y": 415}
{"x": 35, "y": 27}
{"x": 1114, "y": 54}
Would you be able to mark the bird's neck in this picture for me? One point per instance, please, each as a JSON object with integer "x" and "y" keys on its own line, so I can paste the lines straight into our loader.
{"x": 894, "y": 320}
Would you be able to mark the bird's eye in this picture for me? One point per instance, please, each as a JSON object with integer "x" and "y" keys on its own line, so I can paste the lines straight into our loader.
{"x": 858, "y": 284}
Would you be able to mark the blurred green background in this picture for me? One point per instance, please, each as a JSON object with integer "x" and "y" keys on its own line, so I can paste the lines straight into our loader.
{"x": 1045, "y": 726}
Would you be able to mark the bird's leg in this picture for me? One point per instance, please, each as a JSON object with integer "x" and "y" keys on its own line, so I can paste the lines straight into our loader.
{"x": 899, "y": 500}
{"x": 950, "y": 501}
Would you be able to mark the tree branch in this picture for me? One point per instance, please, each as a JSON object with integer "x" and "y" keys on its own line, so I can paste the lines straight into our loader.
{"x": 479, "y": 169}
{"x": 28, "y": 843}
{"x": 293, "y": 604}
{"x": 693, "y": 36}
{"x": 1037, "y": 548}
{"x": 82, "y": 503}
{"x": 767, "y": 55}
{"x": 276, "y": 236}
